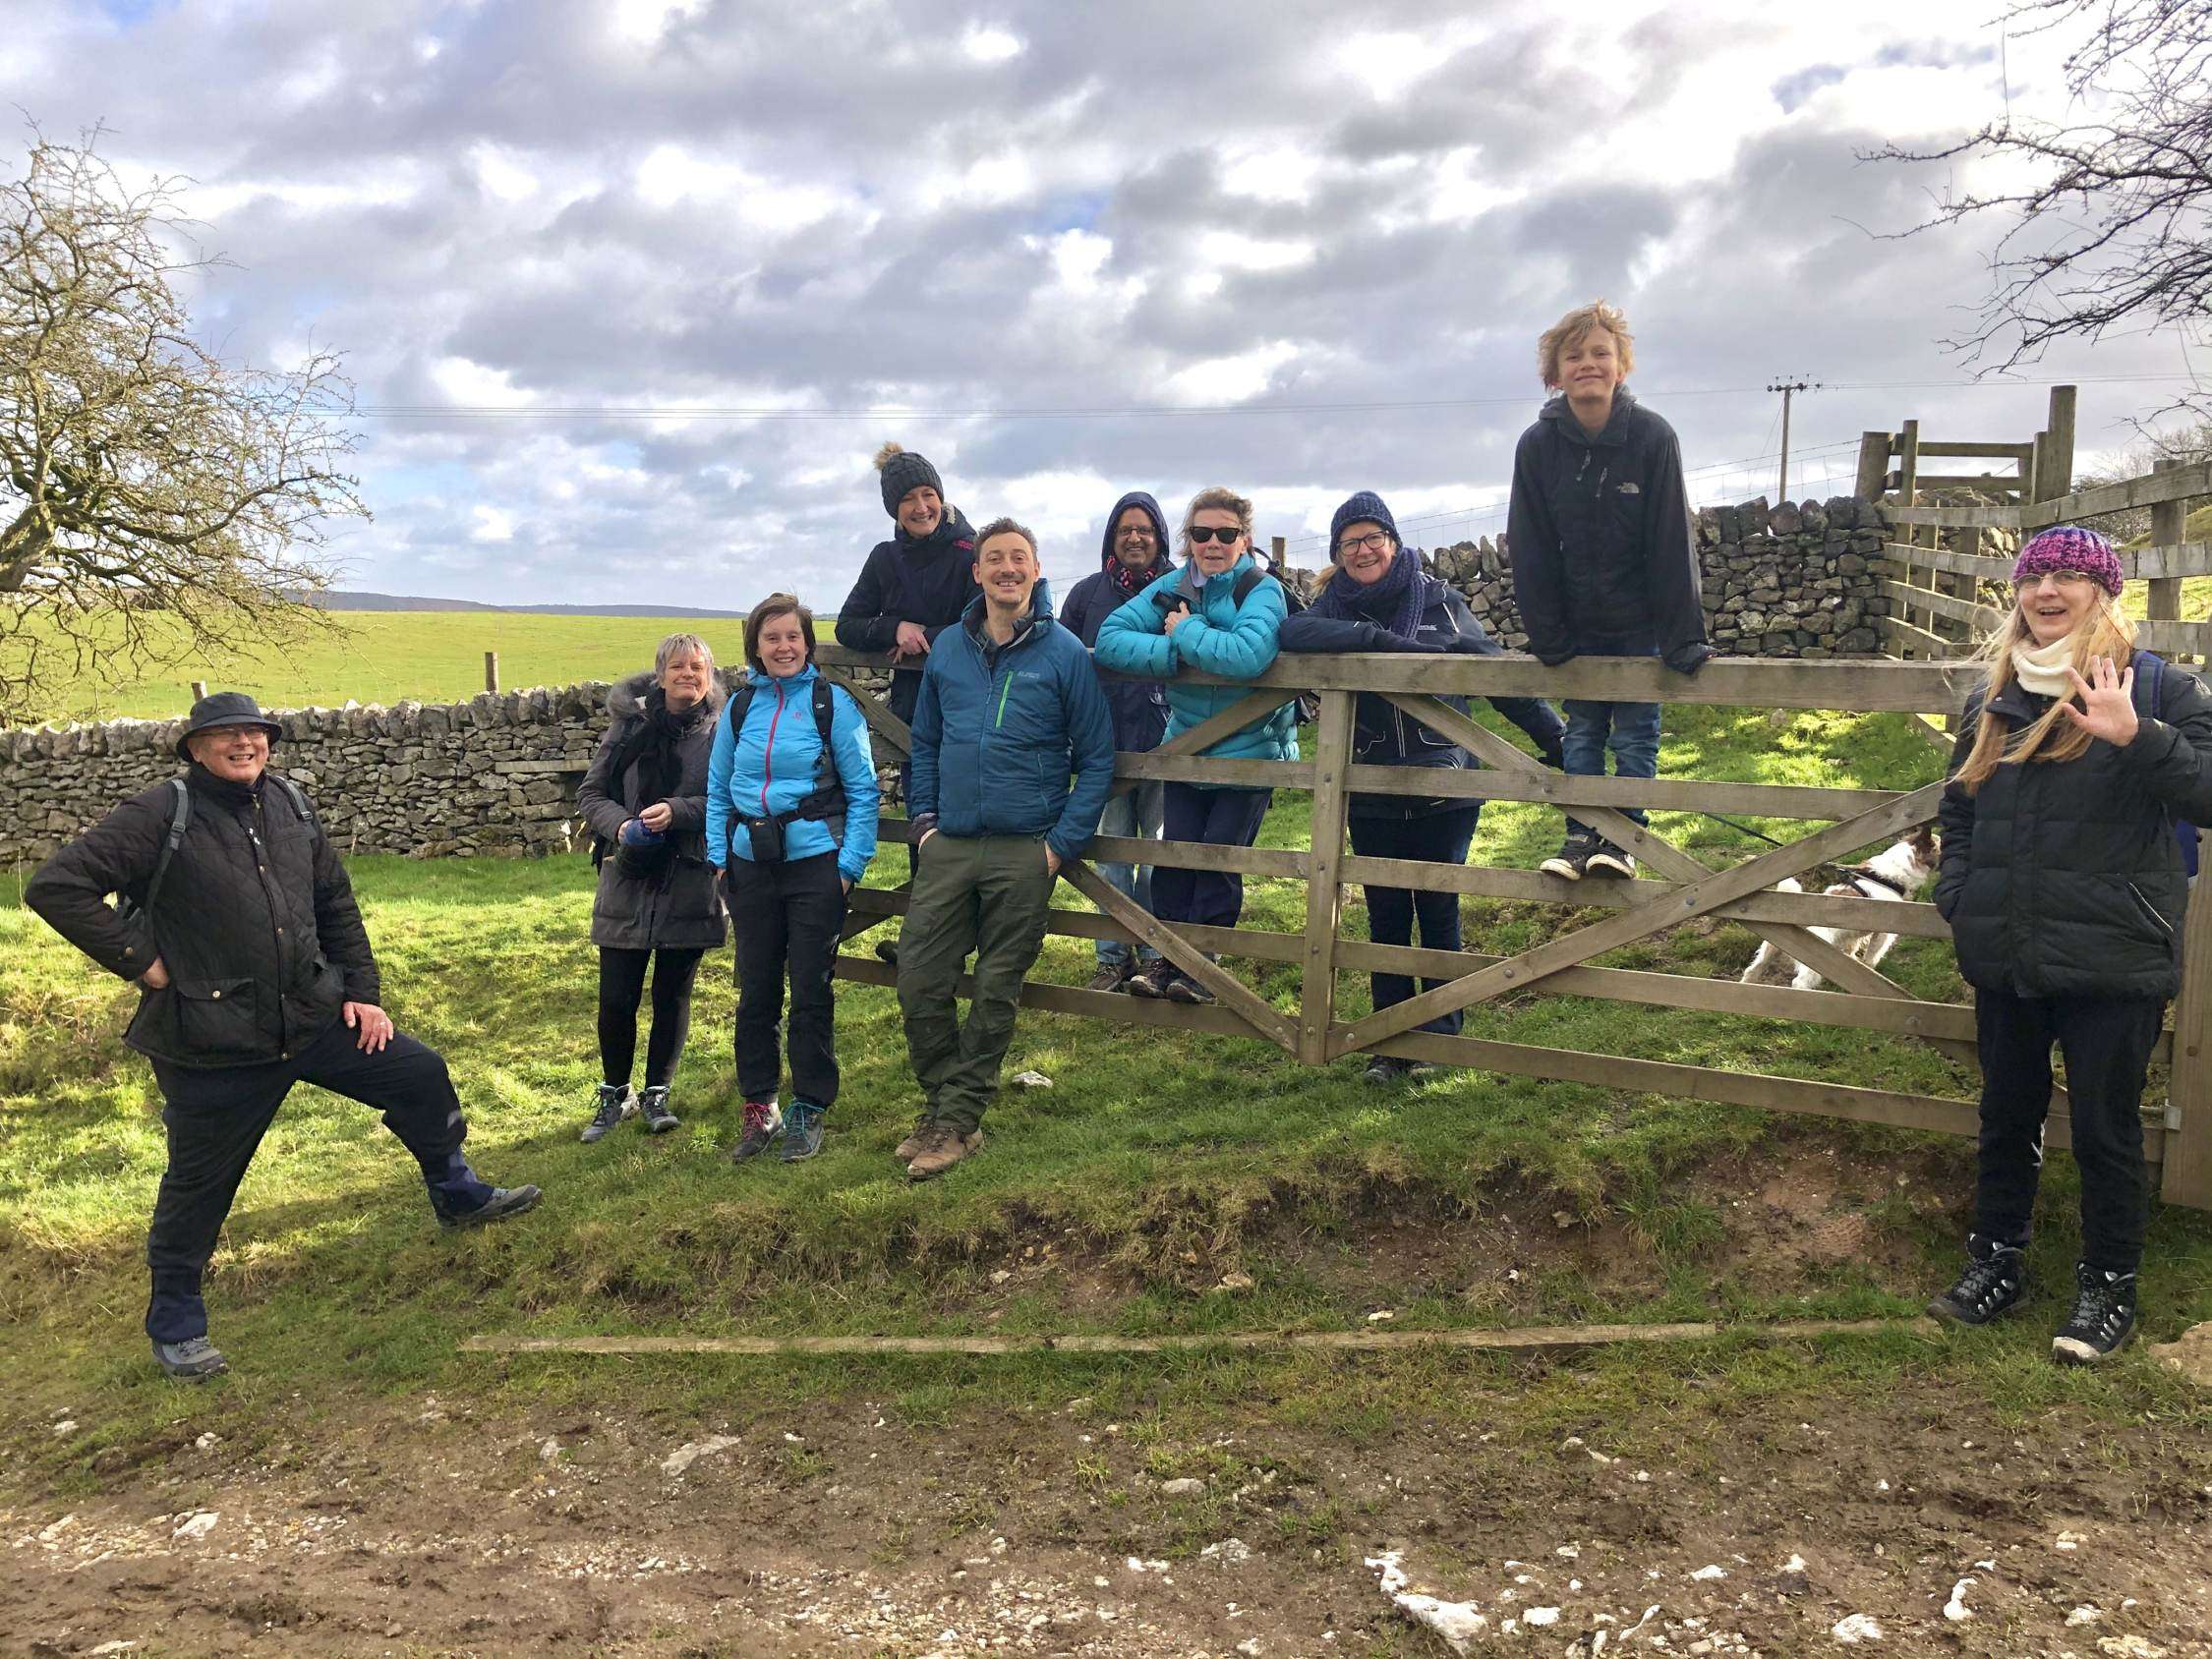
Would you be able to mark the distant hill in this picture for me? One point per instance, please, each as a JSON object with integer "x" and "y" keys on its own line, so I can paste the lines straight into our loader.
{"x": 349, "y": 601}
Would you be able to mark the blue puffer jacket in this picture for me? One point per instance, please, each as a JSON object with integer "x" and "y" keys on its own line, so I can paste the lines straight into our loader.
{"x": 1220, "y": 637}
{"x": 1000, "y": 729}
{"x": 770, "y": 768}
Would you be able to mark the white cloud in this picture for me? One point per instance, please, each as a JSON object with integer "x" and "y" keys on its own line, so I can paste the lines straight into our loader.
{"x": 988, "y": 44}
{"x": 498, "y": 171}
{"x": 1230, "y": 379}
{"x": 1229, "y": 249}
{"x": 493, "y": 524}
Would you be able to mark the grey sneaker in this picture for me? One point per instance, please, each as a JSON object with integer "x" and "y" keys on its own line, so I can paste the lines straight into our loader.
{"x": 195, "y": 1359}
{"x": 764, "y": 1122}
{"x": 802, "y": 1130}
{"x": 504, "y": 1201}
{"x": 652, "y": 1105}
{"x": 616, "y": 1103}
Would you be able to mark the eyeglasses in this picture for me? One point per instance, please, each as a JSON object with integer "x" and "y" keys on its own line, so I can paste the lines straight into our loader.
{"x": 1374, "y": 540}
{"x": 1136, "y": 535}
{"x": 2064, "y": 578}
{"x": 1201, "y": 534}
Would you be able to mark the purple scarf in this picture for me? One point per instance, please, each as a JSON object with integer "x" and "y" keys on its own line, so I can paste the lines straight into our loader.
{"x": 1395, "y": 603}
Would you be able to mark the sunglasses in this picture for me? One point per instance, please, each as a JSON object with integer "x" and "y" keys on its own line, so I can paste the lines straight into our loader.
{"x": 2064, "y": 578}
{"x": 1201, "y": 534}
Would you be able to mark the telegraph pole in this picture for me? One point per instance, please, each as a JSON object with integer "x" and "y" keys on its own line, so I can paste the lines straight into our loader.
{"x": 1787, "y": 388}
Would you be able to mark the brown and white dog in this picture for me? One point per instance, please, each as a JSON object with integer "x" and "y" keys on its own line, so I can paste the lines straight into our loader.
{"x": 1897, "y": 873}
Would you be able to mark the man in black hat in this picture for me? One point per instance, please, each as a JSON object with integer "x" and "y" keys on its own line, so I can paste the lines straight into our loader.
{"x": 255, "y": 973}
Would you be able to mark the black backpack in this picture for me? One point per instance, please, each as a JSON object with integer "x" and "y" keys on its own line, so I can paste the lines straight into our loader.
{"x": 180, "y": 814}
{"x": 825, "y": 800}
{"x": 1309, "y": 702}
{"x": 2150, "y": 704}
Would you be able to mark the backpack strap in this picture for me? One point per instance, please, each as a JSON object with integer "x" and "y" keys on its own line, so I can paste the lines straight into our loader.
{"x": 828, "y": 795}
{"x": 180, "y": 814}
{"x": 297, "y": 797}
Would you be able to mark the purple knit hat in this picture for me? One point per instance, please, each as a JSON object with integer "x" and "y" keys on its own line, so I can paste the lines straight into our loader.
{"x": 2070, "y": 546}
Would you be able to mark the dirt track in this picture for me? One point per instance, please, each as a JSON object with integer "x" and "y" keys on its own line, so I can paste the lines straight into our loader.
{"x": 1029, "y": 1534}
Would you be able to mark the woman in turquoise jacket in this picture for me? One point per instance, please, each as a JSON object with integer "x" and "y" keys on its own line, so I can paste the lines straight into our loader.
{"x": 1221, "y": 615}
{"x": 792, "y": 806}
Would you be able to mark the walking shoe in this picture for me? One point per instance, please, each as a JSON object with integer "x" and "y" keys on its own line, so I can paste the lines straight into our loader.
{"x": 1383, "y": 1068}
{"x": 1152, "y": 980}
{"x": 2103, "y": 1318}
{"x": 887, "y": 950}
{"x": 802, "y": 1130}
{"x": 1611, "y": 859}
{"x": 195, "y": 1359}
{"x": 1996, "y": 1281}
{"x": 1188, "y": 990}
{"x": 942, "y": 1146}
{"x": 614, "y": 1104}
{"x": 1110, "y": 976}
{"x": 905, "y": 1151}
{"x": 654, "y": 1104}
{"x": 764, "y": 1122}
{"x": 1572, "y": 860}
{"x": 504, "y": 1201}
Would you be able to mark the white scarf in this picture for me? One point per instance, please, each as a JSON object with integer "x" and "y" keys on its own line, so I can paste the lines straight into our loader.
{"x": 2043, "y": 671}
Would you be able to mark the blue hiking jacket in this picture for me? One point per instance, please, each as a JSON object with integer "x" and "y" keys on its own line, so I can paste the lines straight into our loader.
{"x": 1000, "y": 729}
{"x": 1221, "y": 637}
{"x": 770, "y": 768}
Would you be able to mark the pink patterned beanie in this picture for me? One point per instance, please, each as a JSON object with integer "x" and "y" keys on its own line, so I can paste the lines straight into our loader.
{"x": 2070, "y": 546}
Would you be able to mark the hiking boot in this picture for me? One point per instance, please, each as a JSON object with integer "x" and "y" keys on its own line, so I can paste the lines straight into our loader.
{"x": 653, "y": 1106}
{"x": 195, "y": 1359}
{"x": 1188, "y": 990}
{"x": 1611, "y": 859}
{"x": 905, "y": 1151}
{"x": 1152, "y": 980}
{"x": 764, "y": 1122}
{"x": 1385, "y": 1069}
{"x": 1111, "y": 976}
{"x": 1996, "y": 1281}
{"x": 614, "y": 1104}
{"x": 1572, "y": 861}
{"x": 2103, "y": 1317}
{"x": 504, "y": 1201}
{"x": 887, "y": 950}
{"x": 942, "y": 1146}
{"x": 802, "y": 1130}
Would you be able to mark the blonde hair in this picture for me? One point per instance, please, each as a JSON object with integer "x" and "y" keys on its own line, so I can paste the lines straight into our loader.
{"x": 2104, "y": 632}
{"x": 1219, "y": 499}
{"x": 682, "y": 644}
{"x": 1570, "y": 329}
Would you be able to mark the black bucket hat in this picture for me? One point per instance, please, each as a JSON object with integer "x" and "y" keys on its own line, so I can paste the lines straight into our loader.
{"x": 225, "y": 708}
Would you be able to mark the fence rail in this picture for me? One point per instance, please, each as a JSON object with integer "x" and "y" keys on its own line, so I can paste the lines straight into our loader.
{"x": 1680, "y": 888}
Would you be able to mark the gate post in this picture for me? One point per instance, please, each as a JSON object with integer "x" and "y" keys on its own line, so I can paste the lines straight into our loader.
{"x": 2185, "y": 1174}
{"x": 1324, "y": 894}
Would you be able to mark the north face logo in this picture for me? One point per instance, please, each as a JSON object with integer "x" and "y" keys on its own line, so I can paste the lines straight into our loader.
{"x": 1630, "y": 488}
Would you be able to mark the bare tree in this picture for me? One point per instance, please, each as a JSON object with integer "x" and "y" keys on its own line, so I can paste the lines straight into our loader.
{"x": 157, "y": 503}
{"x": 2109, "y": 221}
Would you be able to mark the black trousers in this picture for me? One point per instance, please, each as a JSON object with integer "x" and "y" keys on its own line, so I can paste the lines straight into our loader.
{"x": 215, "y": 1119}
{"x": 787, "y": 916}
{"x": 621, "y": 987}
{"x": 1220, "y": 818}
{"x": 1437, "y": 837}
{"x": 2107, "y": 1044}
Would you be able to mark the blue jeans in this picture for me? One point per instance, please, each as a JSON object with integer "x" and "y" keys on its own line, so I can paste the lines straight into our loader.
{"x": 1136, "y": 814}
{"x": 1630, "y": 729}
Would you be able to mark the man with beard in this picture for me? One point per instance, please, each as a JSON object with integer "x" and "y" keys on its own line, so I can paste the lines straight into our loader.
{"x": 1133, "y": 557}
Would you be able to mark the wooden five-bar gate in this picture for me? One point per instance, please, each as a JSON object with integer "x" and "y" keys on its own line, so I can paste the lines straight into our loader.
{"x": 1680, "y": 888}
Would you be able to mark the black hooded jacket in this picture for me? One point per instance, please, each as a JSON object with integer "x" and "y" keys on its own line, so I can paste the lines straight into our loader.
{"x": 930, "y": 582}
{"x": 1141, "y": 708}
{"x": 2062, "y": 877}
{"x": 1599, "y": 535}
{"x": 256, "y": 921}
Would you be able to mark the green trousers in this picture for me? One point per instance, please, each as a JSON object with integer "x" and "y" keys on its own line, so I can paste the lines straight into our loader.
{"x": 990, "y": 894}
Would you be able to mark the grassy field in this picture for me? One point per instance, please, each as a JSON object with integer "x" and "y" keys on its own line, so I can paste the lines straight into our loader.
{"x": 382, "y": 657}
{"x": 1163, "y": 1161}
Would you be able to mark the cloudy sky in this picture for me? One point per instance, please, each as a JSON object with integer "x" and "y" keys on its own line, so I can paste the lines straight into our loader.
{"x": 631, "y": 290}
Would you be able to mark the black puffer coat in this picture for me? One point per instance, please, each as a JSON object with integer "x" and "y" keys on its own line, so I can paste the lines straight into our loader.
{"x": 2064, "y": 878}
{"x": 930, "y": 583}
{"x": 1599, "y": 535}
{"x": 256, "y": 921}
{"x": 1141, "y": 707}
{"x": 678, "y": 908}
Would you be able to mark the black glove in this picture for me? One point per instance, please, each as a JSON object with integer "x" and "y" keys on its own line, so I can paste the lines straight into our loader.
{"x": 1554, "y": 757}
{"x": 1552, "y": 659}
{"x": 1689, "y": 658}
{"x": 1467, "y": 645}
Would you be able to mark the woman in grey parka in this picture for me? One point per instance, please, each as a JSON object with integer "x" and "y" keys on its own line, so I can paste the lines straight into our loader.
{"x": 645, "y": 799}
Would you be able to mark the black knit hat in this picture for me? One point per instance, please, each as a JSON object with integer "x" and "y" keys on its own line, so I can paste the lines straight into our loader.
{"x": 225, "y": 709}
{"x": 902, "y": 469}
{"x": 1364, "y": 507}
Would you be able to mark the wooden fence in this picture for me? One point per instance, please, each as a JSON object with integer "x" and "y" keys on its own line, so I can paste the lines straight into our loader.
{"x": 2179, "y": 1135}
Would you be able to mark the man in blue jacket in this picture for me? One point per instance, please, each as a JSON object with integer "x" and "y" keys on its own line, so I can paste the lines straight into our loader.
{"x": 1133, "y": 557}
{"x": 1010, "y": 709}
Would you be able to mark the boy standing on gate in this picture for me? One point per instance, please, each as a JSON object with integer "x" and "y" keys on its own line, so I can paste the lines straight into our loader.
{"x": 1603, "y": 560}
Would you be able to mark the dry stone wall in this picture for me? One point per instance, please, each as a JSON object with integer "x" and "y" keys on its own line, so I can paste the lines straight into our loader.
{"x": 495, "y": 776}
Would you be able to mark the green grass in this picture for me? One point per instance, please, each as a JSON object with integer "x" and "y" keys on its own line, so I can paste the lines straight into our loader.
{"x": 1118, "y": 1198}
{"x": 380, "y": 657}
